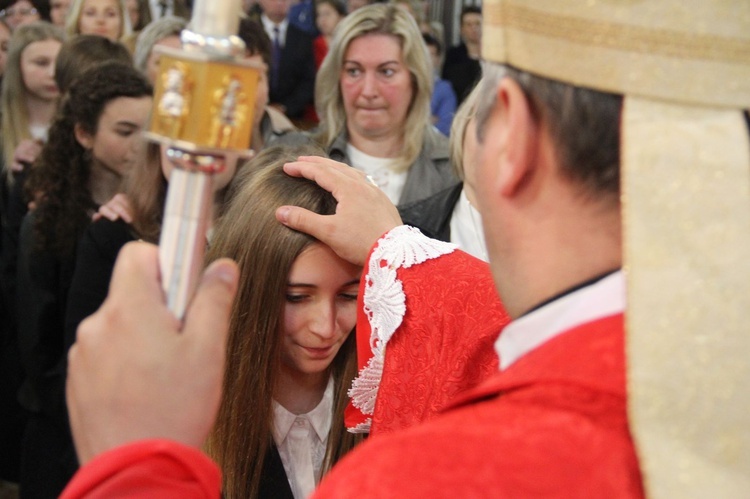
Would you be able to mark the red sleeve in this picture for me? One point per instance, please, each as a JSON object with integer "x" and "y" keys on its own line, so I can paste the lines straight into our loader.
{"x": 149, "y": 468}
{"x": 443, "y": 345}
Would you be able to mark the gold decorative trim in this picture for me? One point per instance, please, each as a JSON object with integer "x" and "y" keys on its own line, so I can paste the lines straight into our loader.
{"x": 625, "y": 37}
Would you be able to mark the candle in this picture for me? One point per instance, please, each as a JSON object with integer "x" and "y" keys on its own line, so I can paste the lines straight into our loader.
{"x": 216, "y": 18}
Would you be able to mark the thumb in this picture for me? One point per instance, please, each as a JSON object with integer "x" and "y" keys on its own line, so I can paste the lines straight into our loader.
{"x": 207, "y": 320}
{"x": 303, "y": 220}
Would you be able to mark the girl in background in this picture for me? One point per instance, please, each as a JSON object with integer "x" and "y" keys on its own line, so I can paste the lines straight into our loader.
{"x": 29, "y": 94}
{"x": 290, "y": 354}
{"x": 93, "y": 142}
{"x": 328, "y": 13}
{"x": 107, "y": 18}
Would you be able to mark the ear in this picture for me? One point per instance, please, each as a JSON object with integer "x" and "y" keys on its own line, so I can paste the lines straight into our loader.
{"x": 83, "y": 137}
{"x": 519, "y": 135}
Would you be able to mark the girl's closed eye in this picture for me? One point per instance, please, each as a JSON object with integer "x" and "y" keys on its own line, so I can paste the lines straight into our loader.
{"x": 295, "y": 297}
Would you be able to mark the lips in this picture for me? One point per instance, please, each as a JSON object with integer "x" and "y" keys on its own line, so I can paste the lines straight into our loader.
{"x": 319, "y": 353}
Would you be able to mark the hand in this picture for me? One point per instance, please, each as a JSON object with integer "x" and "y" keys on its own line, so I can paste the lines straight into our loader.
{"x": 25, "y": 154}
{"x": 134, "y": 373}
{"x": 117, "y": 207}
{"x": 363, "y": 214}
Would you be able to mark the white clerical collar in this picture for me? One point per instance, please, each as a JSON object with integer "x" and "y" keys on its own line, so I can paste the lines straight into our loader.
{"x": 320, "y": 417}
{"x": 603, "y": 298}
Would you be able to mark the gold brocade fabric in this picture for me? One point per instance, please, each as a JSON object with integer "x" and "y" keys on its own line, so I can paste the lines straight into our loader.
{"x": 684, "y": 68}
{"x": 693, "y": 51}
{"x": 687, "y": 223}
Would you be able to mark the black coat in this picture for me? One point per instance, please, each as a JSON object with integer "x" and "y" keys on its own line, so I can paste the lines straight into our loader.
{"x": 296, "y": 81}
{"x": 433, "y": 215}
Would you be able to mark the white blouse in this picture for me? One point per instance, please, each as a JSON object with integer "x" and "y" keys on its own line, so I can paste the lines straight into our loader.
{"x": 466, "y": 228}
{"x": 381, "y": 171}
{"x": 301, "y": 440}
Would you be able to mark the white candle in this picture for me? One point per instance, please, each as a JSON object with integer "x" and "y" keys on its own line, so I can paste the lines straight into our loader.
{"x": 216, "y": 18}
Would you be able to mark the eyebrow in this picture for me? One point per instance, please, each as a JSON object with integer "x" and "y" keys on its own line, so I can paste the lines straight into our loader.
{"x": 127, "y": 123}
{"x": 349, "y": 61}
{"x": 305, "y": 285}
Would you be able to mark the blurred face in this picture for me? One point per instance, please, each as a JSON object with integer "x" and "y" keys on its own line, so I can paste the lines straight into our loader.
{"x": 320, "y": 310}
{"x": 275, "y": 10}
{"x": 133, "y": 12}
{"x": 38, "y": 69}
{"x": 376, "y": 86}
{"x": 152, "y": 63}
{"x": 58, "y": 9}
{"x": 21, "y": 12}
{"x": 471, "y": 28}
{"x": 101, "y": 17}
{"x": 4, "y": 39}
{"x": 117, "y": 143}
{"x": 326, "y": 18}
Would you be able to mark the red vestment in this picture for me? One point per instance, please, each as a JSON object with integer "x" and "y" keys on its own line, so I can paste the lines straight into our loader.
{"x": 444, "y": 343}
{"x": 147, "y": 469}
{"x": 553, "y": 424}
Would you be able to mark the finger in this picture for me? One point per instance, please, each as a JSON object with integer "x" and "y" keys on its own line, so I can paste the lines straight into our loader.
{"x": 123, "y": 211}
{"x": 305, "y": 221}
{"x": 332, "y": 179}
{"x": 96, "y": 216}
{"x": 106, "y": 212}
{"x": 337, "y": 166}
{"x": 207, "y": 320}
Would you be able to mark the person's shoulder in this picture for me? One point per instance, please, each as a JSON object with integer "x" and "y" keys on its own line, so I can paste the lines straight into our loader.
{"x": 443, "y": 87}
{"x": 495, "y": 446}
{"x": 436, "y": 145}
{"x": 455, "y": 53}
{"x": 299, "y": 34}
{"x": 107, "y": 235}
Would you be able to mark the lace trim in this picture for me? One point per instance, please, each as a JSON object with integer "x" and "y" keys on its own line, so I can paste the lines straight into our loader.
{"x": 385, "y": 303}
{"x": 361, "y": 427}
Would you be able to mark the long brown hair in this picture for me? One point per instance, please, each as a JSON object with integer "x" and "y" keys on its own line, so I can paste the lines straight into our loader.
{"x": 265, "y": 251}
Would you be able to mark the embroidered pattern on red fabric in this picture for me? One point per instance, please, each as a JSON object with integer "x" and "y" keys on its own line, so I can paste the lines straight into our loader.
{"x": 385, "y": 305}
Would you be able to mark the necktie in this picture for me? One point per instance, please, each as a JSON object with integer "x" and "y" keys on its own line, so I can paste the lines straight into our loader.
{"x": 163, "y": 8}
{"x": 275, "y": 57}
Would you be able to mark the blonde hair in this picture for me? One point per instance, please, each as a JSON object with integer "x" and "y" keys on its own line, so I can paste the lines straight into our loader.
{"x": 74, "y": 16}
{"x": 265, "y": 251}
{"x": 14, "y": 96}
{"x": 393, "y": 20}
{"x": 465, "y": 113}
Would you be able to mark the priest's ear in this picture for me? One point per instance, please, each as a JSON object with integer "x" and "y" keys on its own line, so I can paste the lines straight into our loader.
{"x": 510, "y": 138}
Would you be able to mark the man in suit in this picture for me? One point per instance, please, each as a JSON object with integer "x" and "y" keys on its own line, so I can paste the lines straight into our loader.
{"x": 461, "y": 67}
{"x": 292, "y": 72}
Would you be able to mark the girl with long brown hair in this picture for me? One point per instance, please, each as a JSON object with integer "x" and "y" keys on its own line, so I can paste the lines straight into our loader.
{"x": 290, "y": 355}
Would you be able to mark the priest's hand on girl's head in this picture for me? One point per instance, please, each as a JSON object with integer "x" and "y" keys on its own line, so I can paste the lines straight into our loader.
{"x": 363, "y": 214}
{"x": 135, "y": 372}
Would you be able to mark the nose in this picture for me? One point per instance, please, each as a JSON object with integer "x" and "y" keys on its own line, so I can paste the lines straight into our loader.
{"x": 369, "y": 85}
{"x": 323, "y": 323}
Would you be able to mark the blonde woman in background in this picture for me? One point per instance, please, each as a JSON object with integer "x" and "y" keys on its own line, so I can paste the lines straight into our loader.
{"x": 107, "y": 18}
{"x": 372, "y": 95}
